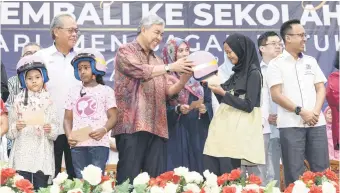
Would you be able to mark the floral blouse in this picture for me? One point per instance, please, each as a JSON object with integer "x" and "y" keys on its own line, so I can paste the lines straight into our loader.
{"x": 33, "y": 148}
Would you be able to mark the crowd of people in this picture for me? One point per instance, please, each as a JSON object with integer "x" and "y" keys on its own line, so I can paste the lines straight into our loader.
{"x": 264, "y": 113}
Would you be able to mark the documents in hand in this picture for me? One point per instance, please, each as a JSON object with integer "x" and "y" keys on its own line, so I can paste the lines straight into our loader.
{"x": 82, "y": 134}
{"x": 33, "y": 117}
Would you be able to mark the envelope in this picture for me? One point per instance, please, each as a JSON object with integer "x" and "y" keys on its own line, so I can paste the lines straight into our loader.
{"x": 33, "y": 117}
{"x": 196, "y": 104}
{"x": 82, "y": 134}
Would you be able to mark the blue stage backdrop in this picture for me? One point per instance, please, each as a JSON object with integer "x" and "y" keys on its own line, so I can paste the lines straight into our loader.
{"x": 106, "y": 25}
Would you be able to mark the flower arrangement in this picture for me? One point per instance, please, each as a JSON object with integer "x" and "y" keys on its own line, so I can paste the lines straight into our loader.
{"x": 181, "y": 180}
{"x": 318, "y": 182}
{"x": 11, "y": 182}
{"x": 93, "y": 182}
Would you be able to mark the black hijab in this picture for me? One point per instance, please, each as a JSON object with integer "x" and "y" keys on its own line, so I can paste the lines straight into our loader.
{"x": 248, "y": 61}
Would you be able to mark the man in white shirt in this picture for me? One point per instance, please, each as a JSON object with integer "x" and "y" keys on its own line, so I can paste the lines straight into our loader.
{"x": 64, "y": 32}
{"x": 270, "y": 46}
{"x": 297, "y": 83}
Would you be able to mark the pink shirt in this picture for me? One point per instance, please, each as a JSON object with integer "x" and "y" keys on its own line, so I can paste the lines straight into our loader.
{"x": 91, "y": 110}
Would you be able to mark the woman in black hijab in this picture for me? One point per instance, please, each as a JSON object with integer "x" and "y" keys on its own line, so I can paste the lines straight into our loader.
{"x": 235, "y": 133}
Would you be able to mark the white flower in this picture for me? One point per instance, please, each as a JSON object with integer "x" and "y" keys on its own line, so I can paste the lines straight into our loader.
{"x": 170, "y": 188}
{"x": 211, "y": 179}
{"x": 61, "y": 178}
{"x": 55, "y": 189}
{"x": 156, "y": 189}
{"x": 193, "y": 177}
{"x": 181, "y": 171}
{"x": 193, "y": 187}
{"x": 328, "y": 188}
{"x": 213, "y": 189}
{"x": 252, "y": 187}
{"x": 142, "y": 178}
{"x": 77, "y": 190}
{"x": 6, "y": 189}
{"x": 239, "y": 188}
{"x": 300, "y": 187}
{"x": 107, "y": 186}
{"x": 92, "y": 174}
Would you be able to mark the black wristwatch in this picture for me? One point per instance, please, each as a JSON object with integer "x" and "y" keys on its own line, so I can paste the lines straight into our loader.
{"x": 297, "y": 110}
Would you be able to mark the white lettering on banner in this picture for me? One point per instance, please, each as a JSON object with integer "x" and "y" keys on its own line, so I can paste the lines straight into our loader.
{"x": 208, "y": 18}
{"x": 107, "y": 16}
{"x": 337, "y": 42}
{"x": 98, "y": 43}
{"x": 3, "y": 44}
{"x": 7, "y": 11}
{"x": 323, "y": 39}
{"x": 60, "y": 8}
{"x": 310, "y": 15}
{"x": 219, "y": 14}
{"x": 285, "y": 13}
{"x": 43, "y": 12}
{"x": 213, "y": 43}
{"x": 243, "y": 14}
{"x": 93, "y": 15}
{"x": 115, "y": 41}
{"x": 170, "y": 9}
{"x": 192, "y": 48}
{"x": 146, "y": 9}
{"x": 274, "y": 11}
{"x": 18, "y": 43}
{"x": 327, "y": 15}
{"x": 126, "y": 14}
{"x": 80, "y": 42}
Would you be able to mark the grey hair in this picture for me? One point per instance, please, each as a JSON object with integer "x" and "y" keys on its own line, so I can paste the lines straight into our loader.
{"x": 57, "y": 22}
{"x": 29, "y": 44}
{"x": 150, "y": 20}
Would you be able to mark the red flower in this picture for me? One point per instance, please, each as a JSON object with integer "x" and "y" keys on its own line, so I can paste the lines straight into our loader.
{"x": 202, "y": 190}
{"x": 24, "y": 185}
{"x": 153, "y": 182}
{"x": 315, "y": 189}
{"x": 308, "y": 177}
{"x": 318, "y": 174}
{"x": 6, "y": 174}
{"x": 331, "y": 175}
{"x": 235, "y": 174}
{"x": 228, "y": 189}
{"x": 167, "y": 176}
{"x": 254, "y": 179}
{"x": 176, "y": 179}
{"x": 289, "y": 189}
{"x": 249, "y": 191}
{"x": 222, "y": 179}
{"x": 105, "y": 178}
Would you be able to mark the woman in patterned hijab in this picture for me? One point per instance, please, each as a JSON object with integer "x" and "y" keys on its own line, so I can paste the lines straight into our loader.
{"x": 188, "y": 128}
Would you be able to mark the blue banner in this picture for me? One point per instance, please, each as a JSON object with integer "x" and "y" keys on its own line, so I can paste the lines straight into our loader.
{"x": 106, "y": 25}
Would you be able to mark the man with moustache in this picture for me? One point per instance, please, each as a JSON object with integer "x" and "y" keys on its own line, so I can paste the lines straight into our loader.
{"x": 141, "y": 87}
{"x": 64, "y": 32}
{"x": 297, "y": 83}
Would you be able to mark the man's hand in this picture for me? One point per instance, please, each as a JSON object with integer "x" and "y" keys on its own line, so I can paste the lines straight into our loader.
{"x": 309, "y": 117}
{"x": 272, "y": 119}
{"x": 71, "y": 142}
{"x": 182, "y": 65}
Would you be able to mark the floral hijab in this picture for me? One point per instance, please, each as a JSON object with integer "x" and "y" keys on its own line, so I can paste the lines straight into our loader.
{"x": 169, "y": 55}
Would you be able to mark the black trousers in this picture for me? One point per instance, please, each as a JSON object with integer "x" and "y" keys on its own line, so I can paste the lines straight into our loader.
{"x": 141, "y": 151}
{"x": 220, "y": 165}
{"x": 39, "y": 179}
{"x": 61, "y": 147}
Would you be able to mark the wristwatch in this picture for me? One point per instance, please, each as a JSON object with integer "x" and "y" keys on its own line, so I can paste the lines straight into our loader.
{"x": 297, "y": 110}
{"x": 167, "y": 68}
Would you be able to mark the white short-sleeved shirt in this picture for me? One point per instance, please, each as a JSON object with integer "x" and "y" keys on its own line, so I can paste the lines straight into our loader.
{"x": 61, "y": 77}
{"x": 91, "y": 110}
{"x": 298, "y": 79}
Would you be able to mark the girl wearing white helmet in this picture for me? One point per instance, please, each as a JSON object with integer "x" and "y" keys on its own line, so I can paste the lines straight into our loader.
{"x": 33, "y": 124}
{"x": 91, "y": 109}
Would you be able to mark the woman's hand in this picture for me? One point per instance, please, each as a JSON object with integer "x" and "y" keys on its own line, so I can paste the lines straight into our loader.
{"x": 185, "y": 109}
{"x": 217, "y": 89}
{"x": 202, "y": 109}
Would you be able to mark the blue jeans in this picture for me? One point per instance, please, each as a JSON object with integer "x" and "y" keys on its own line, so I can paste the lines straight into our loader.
{"x": 84, "y": 156}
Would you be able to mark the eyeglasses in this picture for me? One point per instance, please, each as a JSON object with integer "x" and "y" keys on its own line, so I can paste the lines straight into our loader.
{"x": 274, "y": 44}
{"x": 28, "y": 53}
{"x": 302, "y": 35}
{"x": 71, "y": 30}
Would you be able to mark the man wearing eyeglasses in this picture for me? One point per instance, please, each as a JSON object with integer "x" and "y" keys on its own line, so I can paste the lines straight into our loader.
{"x": 58, "y": 57}
{"x": 297, "y": 83}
